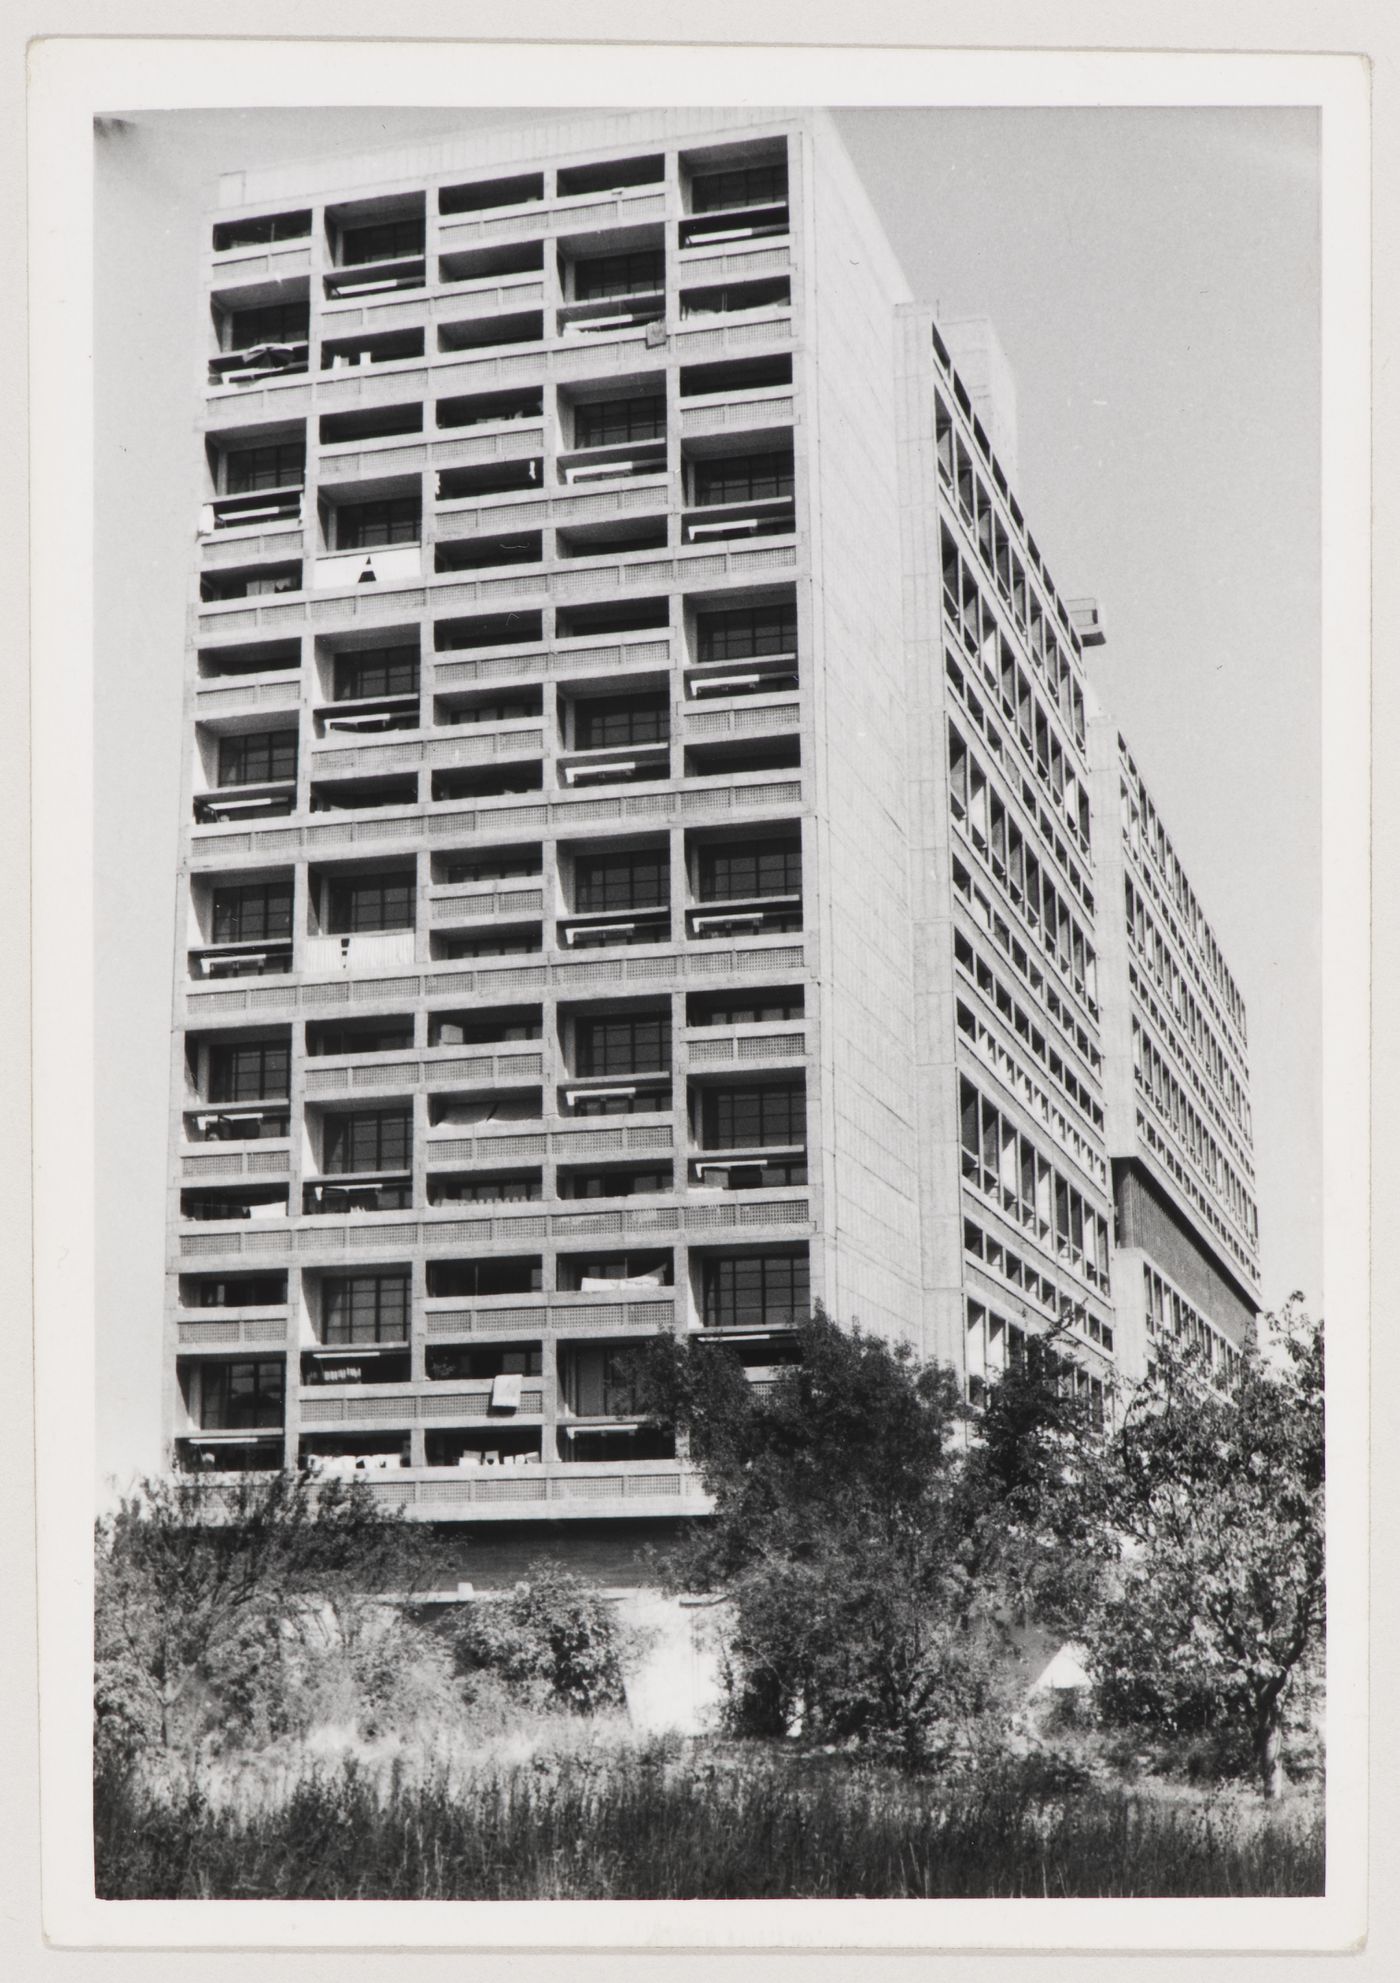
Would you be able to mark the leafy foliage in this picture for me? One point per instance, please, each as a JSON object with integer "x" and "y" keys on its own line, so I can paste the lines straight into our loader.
{"x": 1216, "y": 1612}
{"x": 205, "y": 1592}
{"x": 840, "y": 1538}
{"x": 554, "y": 1641}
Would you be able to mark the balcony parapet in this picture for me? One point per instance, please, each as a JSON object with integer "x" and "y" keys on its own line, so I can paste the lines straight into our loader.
{"x": 675, "y": 964}
{"x": 392, "y": 1235}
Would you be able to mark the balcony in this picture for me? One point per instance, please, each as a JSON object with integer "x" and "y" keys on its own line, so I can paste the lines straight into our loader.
{"x": 622, "y": 764}
{"x": 769, "y": 915}
{"x": 392, "y": 564}
{"x": 758, "y": 674}
{"x": 259, "y": 362}
{"x": 455, "y": 904}
{"x": 611, "y": 927}
{"x": 237, "y": 1122}
{"x": 740, "y": 224}
{"x": 245, "y": 803}
{"x": 234, "y": 1203}
{"x": 386, "y": 273}
{"x": 345, "y": 1196}
{"x": 241, "y": 960}
{"x": 369, "y": 951}
{"x": 710, "y": 1046}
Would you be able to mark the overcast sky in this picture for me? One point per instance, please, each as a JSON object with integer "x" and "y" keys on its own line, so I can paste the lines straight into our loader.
{"x": 1153, "y": 277}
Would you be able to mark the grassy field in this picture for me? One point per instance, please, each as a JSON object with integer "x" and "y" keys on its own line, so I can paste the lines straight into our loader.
{"x": 697, "y": 1820}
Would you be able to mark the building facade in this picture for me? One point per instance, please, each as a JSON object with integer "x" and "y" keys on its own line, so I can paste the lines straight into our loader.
{"x": 652, "y": 858}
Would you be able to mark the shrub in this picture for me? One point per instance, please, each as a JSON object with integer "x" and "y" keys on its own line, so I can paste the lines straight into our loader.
{"x": 554, "y": 1642}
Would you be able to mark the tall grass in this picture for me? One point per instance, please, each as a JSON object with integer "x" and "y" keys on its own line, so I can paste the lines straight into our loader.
{"x": 649, "y": 1822}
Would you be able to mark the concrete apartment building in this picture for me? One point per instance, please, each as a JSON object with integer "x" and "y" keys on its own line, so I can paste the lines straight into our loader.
{"x": 652, "y": 856}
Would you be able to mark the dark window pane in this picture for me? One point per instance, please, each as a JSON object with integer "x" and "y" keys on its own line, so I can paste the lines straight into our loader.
{"x": 374, "y": 671}
{"x": 622, "y": 881}
{"x": 270, "y": 323}
{"x": 256, "y": 1072}
{"x": 256, "y": 912}
{"x": 745, "y": 632}
{"x": 619, "y": 275}
{"x": 381, "y": 242}
{"x": 744, "y": 186}
{"x": 483, "y": 1277}
{"x": 259, "y": 757}
{"x": 604, "y": 721}
{"x": 240, "y": 1397}
{"x": 752, "y": 1117}
{"x": 755, "y": 1290}
{"x": 265, "y": 227}
{"x": 633, "y": 1044}
{"x": 364, "y": 526}
{"x": 772, "y": 867}
{"x": 371, "y": 902}
{"x": 278, "y": 465}
{"x": 743, "y": 479}
{"x": 372, "y": 1140}
{"x": 606, "y": 422}
{"x": 365, "y": 1308}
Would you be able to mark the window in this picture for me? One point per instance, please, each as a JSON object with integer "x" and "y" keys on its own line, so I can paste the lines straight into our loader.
{"x": 242, "y": 1397}
{"x": 601, "y": 721}
{"x": 617, "y": 1184}
{"x": 743, "y": 633}
{"x": 274, "y": 465}
{"x": 604, "y": 423}
{"x": 253, "y": 912}
{"x": 524, "y": 944}
{"x": 753, "y": 1117}
{"x": 386, "y": 1036}
{"x": 725, "y": 298}
{"x": 381, "y": 242}
{"x": 489, "y": 1190}
{"x": 650, "y": 1269}
{"x": 484, "y": 1363}
{"x": 365, "y": 1308}
{"x": 364, "y": 526}
{"x": 742, "y": 186}
{"x": 265, "y": 227}
{"x": 622, "y": 881}
{"x": 498, "y": 708}
{"x": 241, "y": 1291}
{"x": 756, "y": 1008}
{"x": 269, "y": 323}
{"x": 258, "y": 757}
{"x": 369, "y": 1140}
{"x": 371, "y": 902}
{"x": 743, "y": 478}
{"x": 253, "y": 1072}
{"x": 483, "y": 1277}
{"x": 633, "y": 1043}
{"x": 754, "y": 1290}
{"x": 765, "y": 867}
{"x": 619, "y": 275}
{"x": 598, "y": 1382}
{"x": 376, "y": 671}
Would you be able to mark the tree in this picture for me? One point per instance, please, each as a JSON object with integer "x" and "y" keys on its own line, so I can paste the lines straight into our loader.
{"x": 1034, "y": 1523}
{"x": 200, "y": 1585}
{"x": 1216, "y": 1503}
{"x": 840, "y": 1536}
{"x": 554, "y": 1641}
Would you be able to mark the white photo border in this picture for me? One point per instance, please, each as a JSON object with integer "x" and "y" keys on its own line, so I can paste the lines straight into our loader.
{"x": 73, "y": 80}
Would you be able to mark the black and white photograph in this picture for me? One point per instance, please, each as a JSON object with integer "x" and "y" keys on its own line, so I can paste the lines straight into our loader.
{"x": 714, "y": 1204}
